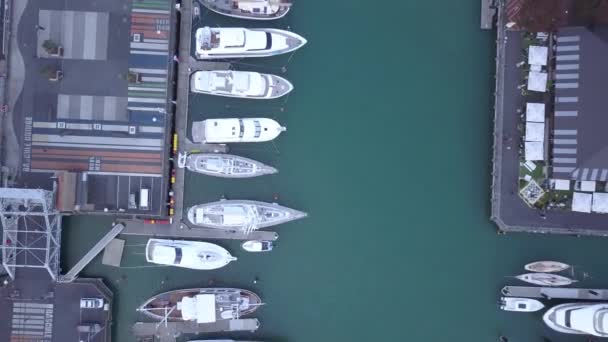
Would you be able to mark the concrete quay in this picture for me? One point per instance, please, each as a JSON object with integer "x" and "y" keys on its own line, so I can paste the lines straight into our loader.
{"x": 488, "y": 11}
{"x": 171, "y": 331}
{"x": 554, "y": 293}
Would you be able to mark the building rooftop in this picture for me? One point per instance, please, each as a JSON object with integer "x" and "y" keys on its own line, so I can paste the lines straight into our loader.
{"x": 105, "y": 120}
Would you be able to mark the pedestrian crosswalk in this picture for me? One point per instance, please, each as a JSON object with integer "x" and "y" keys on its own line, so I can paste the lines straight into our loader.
{"x": 32, "y": 322}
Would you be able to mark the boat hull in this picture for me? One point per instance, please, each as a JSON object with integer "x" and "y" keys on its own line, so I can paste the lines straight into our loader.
{"x": 294, "y": 42}
{"x": 187, "y": 249}
{"x": 551, "y": 319}
{"x": 155, "y": 307}
{"x": 545, "y": 279}
{"x": 546, "y": 266}
{"x": 255, "y": 246}
{"x": 289, "y": 214}
{"x": 230, "y": 12}
{"x": 518, "y": 304}
{"x": 277, "y": 87}
{"x": 257, "y": 169}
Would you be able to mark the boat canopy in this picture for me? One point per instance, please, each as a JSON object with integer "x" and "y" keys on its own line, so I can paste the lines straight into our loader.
{"x": 200, "y": 308}
{"x": 167, "y": 255}
{"x": 216, "y": 164}
{"x": 235, "y": 214}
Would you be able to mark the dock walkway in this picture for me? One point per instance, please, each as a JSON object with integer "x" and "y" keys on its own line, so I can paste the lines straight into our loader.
{"x": 86, "y": 259}
{"x": 170, "y": 331}
{"x": 488, "y": 11}
{"x": 554, "y": 292}
{"x": 183, "y": 230}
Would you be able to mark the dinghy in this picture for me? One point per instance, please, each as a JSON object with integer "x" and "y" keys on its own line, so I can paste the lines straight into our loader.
{"x": 195, "y": 255}
{"x": 546, "y": 266}
{"x": 545, "y": 279}
{"x": 241, "y": 214}
{"x": 226, "y": 165}
{"x": 243, "y": 84}
{"x": 257, "y": 246}
{"x": 249, "y": 9}
{"x": 237, "y": 42}
{"x": 520, "y": 304}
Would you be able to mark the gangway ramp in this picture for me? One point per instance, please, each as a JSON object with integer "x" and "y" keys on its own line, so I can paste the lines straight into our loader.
{"x": 86, "y": 259}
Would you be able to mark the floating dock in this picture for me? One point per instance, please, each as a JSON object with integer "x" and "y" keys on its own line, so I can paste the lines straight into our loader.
{"x": 170, "y": 331}
{"x": 554, "y": 292}
{"x": 183, "y": 230}
{"x": 488, "y": 11}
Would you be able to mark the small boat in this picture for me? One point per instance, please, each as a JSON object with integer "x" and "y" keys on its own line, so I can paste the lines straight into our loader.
{"x": 520, "y": 304}
{"x": 241, "y": 214}
{"x": 243, "y": 84}
{"x": 237, "y": 42}
{"x": 578, "y": 318}
{"x": 226, "y": 165}
{"x": 221, "y": 131}
{"x": 195, "y": 255}
{"x": 545, "y": 279}
{"x": 257, "y": 246}
{"x": 249, "y": 9}
{"x": 546, "y": 266}
{"x": 201, "y": 305}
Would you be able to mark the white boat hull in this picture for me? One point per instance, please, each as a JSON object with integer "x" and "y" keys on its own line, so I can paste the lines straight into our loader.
{"x": 196, "y": 255}
{"x": 227, "y": 166}
{"x": 255, "y": 246}
{"x": 281, "y": 41}
{"x": 577, "y": 318}
{"x": 545, "y": 279}
{"x": 222, "y": 8}
{"x": 520, "y": 304}
{"x": 268, "y": 87}
{"x": 241, "y": 215}
{"x": 546, "y": 266}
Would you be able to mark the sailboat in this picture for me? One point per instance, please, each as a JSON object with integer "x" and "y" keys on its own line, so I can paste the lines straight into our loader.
{"x": 201, "y": 305}
{"x": 546, "y": 266}
{"x": 226, "y": 165}
{"x": 249, "y": 9}
{"x": 545, "y": 279}
{"x": 241, "y": 214}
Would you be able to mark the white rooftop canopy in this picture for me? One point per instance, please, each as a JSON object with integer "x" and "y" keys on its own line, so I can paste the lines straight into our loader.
{"x": 200, "y": 308}
{"x": 535, "y": 112}
{"x": 537, "y": 81}
{"x": 561, "y": 184}
{"x": 581, "y": 202}
{"x": 537, "y": 55}
{"x": 588, "y": 186}
{"x": 535, "y": 131}
{"x": 534, "y": 150}
{"x": 600, "y": 202}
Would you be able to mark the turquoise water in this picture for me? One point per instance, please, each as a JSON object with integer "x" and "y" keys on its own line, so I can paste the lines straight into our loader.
{"x": 388, "y": 149}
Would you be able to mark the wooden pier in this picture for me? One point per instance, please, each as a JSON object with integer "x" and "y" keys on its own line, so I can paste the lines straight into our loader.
{"x": 554, "y": 292}
{"x": 170, "y": 331}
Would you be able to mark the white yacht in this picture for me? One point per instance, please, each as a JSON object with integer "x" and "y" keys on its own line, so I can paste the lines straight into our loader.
{"x": 226, "y": 165}
{"x": 222, "y": 131}
{"x": 244, "y": 84}
{"x": 237, "y": 42}
{"x": 579, "y": 318}
{"x": 545, "y": 279}
{"x": 241, "y": 214}
{"x": 195, "y": 255}
{"x": 249, "y": 9}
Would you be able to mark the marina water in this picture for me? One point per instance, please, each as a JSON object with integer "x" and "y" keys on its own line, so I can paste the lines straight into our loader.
{"x": 388, "y": 150}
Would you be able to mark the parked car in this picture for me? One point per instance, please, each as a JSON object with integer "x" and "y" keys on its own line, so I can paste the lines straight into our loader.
{"x": 91, "y": 303}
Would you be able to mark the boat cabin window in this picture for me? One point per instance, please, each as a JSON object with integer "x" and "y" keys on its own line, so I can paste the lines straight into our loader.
{"x": 178, "y": 256}
{"x": 567, "y": 321}
{"x": 521, "y": 306}
{"x": 258, "y": 128}
{"x": 242, "y": 131}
